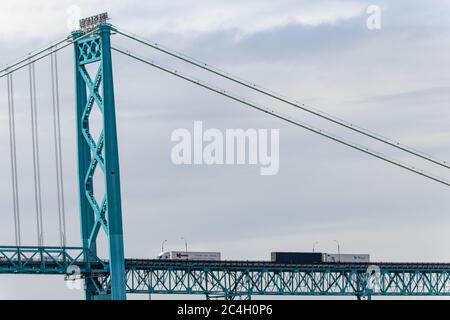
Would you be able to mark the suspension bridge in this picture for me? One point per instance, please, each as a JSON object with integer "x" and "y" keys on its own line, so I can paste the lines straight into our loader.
{"x": 115, "y": 276}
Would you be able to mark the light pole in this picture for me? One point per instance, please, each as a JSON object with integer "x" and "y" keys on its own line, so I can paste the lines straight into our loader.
{"x": 314, "y": 245}
{"x": 185, "y": 242}
{"x": 339, "y": 250}
{"x": 162, "y": 245}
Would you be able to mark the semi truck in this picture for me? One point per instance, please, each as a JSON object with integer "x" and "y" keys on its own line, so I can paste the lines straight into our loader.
{"x": 296, "y": 257}
{"x": 345, "y": 257}
{"x": 318, "y": 257}
{"x": 189, "y": 255}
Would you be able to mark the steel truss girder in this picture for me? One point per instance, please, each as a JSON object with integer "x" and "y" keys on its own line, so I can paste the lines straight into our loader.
{"x": 230, "y": 282}
{"x": 48, "y": 260}
{"x": 67, "y": 261}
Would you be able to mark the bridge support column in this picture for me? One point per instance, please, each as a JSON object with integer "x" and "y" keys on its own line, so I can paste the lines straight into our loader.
{"x": 99, "y": 211}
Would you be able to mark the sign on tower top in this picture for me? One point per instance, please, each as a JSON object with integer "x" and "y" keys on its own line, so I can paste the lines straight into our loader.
{"x": 87, "y": 24}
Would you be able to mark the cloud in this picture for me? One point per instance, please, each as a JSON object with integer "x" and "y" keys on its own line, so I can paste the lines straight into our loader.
{"x": 31, "y": 19}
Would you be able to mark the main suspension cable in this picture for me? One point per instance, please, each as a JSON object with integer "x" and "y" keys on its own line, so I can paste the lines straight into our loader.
{"x": 285, "y": 117}
{"x": 13, "y": 160}
{"x": 41, "y": 54}
{"x": 284, "y": 99}
{"x": 33, "y": 54}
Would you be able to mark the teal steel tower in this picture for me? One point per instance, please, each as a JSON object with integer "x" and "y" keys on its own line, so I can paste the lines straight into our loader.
{"x": 97, "y": 91}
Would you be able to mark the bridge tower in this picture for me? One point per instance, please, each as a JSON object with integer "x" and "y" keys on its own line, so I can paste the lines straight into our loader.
{"x": 97, "y": 91}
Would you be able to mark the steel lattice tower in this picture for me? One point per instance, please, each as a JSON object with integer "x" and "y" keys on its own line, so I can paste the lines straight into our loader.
{"x": 99, "y": 155}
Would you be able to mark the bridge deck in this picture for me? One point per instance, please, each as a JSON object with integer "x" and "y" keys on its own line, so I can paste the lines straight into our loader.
{"x": 237, "y": 278}
{"x": 274, "y": 265}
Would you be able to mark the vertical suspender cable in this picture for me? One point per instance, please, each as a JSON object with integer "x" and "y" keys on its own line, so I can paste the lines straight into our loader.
{"x": 13, "y": 159}
{"x": 56, "y": 144}
{"x": 38, "y": 229}
{"x": 60, "y": 164}
{"x": 36, "y": 162}
{"x": 58, "y": 149}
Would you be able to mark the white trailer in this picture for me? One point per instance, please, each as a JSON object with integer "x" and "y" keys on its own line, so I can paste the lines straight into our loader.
{"x": 183, "y": 255}
{"x": 345, "y": 257}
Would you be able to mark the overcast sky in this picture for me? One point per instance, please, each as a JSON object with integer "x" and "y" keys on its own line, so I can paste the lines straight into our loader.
{"x": 394, "y": 81}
